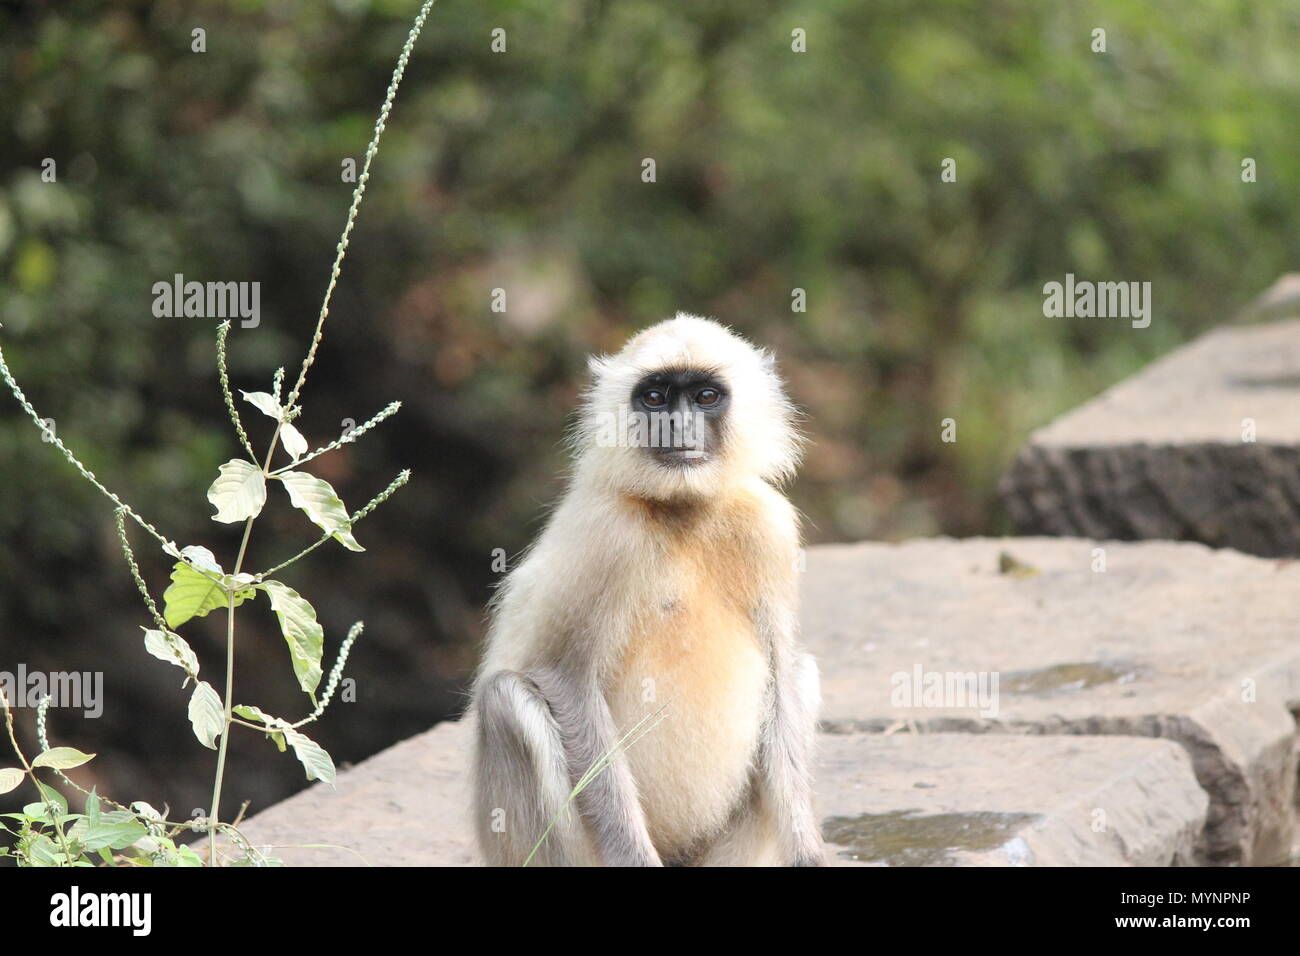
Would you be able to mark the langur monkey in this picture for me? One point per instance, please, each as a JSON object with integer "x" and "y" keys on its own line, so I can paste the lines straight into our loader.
{"x": 646, "y": 645}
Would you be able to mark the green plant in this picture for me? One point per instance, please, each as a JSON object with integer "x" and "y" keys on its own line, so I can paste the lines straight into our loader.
{"x": 45, "y": 832}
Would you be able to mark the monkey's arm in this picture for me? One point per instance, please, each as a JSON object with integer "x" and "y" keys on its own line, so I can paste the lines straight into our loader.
{"x": 608, "y": 805}
{"x": 787, "y": 751}
{"x": 538, "y": 733}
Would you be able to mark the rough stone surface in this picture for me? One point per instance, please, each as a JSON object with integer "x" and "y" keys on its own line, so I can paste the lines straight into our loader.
{"x": 1172, "y": 640}
{"x": 961, "y": 800}
{"x": 939, "y": 800}
{"x": 1161, "y": 455}
{"x": 405, "y": 806}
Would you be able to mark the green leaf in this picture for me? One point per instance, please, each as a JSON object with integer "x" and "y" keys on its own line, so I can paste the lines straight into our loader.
{"x": 45, "y": 852}
{"x": 192, "y": 595}
{"x": 207, "y": 716}
{"x": 186, "y": 857}
{"x": 146, "y": 811}
{"x": 314, "y": 759}
{"x": 116, "y": 830}
{"x": 249, "y": 712}
{"x": 40, "y": 811}
{"x": 293, "y": 441}
{"x": 50, "y": 795}
{"x": 305, "y": 637}
{"x": 92, "y": 818}
{"x": 264, "y": 403}
{"x": 11, "y": 779}
{"x": 202, "y": 558}
{"x": 147, "y": 844}
{"x": 239, "y": 491}
{"x": 171, "y": 648}
{"x": 62, "y": 758}
{"x": 320, "y": 503}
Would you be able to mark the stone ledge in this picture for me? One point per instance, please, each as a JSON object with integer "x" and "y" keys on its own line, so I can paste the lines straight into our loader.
{"x": 1172, "y": 641}
{"x": 944, "y": 799}
{"x": 1162, "y": 644}
{"x": 405, "y": 806}
{"x": 957, "y": 800}
{"x": 1161, "y": 455}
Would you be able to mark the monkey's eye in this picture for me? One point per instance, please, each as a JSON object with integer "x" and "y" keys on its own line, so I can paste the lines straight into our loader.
{"x": 654, "y": 398}
{"x": 707, "y": 396}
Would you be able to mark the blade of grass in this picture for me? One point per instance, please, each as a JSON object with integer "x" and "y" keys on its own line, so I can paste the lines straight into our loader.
{"x": 598, "y": 766}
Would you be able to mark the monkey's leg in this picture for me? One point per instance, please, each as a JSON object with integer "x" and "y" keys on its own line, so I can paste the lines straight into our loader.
{"x": 521, "y": 778}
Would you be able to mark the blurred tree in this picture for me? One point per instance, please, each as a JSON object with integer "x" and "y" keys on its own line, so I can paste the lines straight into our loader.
{"x": 521, "y": 170}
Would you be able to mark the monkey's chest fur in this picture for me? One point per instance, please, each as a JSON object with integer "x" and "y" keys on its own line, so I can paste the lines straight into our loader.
{"x": 696, "y": 664}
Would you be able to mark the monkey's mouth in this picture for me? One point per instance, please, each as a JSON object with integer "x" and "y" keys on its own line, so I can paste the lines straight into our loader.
{"x": 680, "y": 457}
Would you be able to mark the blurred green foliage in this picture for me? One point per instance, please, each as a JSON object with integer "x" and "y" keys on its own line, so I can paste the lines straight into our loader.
{"x": 521, "y": 170}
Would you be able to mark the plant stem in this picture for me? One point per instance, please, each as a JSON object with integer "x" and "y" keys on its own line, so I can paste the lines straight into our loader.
{"x": 223, "y": 376}
{"x": 358, "y": 194}
{"x": 72, "y": 459}
{"x": 50, "y": 808}
{"x": 215, "y": 813}
{"x": 225, "y": 732}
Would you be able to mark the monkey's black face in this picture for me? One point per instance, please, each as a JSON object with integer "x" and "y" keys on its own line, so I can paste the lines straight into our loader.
{"x": 678, "y": 415}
